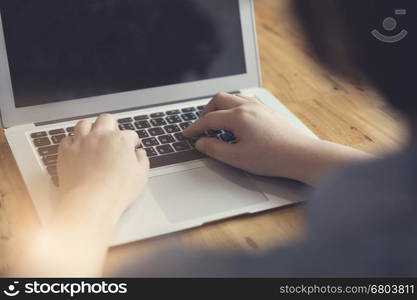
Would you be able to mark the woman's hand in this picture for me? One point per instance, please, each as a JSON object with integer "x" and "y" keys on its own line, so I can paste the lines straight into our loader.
{"x": 100, "y": 172}
{"x": 101, "y": 162}
{"x": 267, "y": 143}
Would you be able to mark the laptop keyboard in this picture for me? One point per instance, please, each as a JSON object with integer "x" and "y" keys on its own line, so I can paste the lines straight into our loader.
{"x": 161, "y": 135}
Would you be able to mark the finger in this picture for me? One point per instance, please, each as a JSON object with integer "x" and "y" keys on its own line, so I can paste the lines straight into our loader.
{"x": 222, "y": 101}
{"x": 143, "y": 157}
{"x": 218, "y": 120}
{"x": 217, "y": 149}
{"x": 105, "y": 122}
{"x": 132, "y": 138}
{"x": 245, "y": 97}
{"x": 83, "y": 128}
{"x": 65, "y": 144}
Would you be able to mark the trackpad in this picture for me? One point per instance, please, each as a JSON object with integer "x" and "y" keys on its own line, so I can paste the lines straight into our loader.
{"x": 203, "y": 192}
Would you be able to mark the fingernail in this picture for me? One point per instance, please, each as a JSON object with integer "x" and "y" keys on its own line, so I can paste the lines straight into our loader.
{"x": 199, "y": 144}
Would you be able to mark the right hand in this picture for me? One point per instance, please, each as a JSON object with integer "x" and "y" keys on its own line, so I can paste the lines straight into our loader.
{"x": 268, "y": 143}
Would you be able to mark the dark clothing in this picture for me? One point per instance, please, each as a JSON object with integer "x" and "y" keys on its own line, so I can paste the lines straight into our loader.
{"x": 362, "y": 222}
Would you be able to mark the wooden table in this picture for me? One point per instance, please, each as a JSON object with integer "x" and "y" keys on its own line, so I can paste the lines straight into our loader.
{"x": 344, "y": 112}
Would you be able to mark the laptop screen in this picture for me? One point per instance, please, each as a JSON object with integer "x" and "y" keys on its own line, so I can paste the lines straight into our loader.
{"x": 61, "y": 50}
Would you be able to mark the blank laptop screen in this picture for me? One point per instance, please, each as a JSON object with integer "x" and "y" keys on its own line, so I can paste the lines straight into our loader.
{"x": 62, "y": 50}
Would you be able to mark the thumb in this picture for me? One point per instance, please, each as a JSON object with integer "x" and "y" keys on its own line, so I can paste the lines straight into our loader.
{"x": 217, "y": 149}
{"x": 142, "y": 157}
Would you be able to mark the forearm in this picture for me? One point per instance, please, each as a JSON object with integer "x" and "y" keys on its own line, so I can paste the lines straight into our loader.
{"x": 321, "y": 157}
{"x": 74, "y": 243}
{"x": 59, "y": 253}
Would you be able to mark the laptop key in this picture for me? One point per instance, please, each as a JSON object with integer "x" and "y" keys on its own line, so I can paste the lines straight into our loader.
{"x": 57, "y": 131}
{"x": 185, "y": 125}
{"x": 214, "y": 133}
{"x": 142, "y": 124}
{"x": 141, "y": 118}
{"x": 52, "y": 170}
{"x": 50, "y": 160}
{"x": 150, "y": 142}
{"x": 157, "y": 115}
{"x": 179, "y": 137}
{"x": 174, "y": 158}
{"x": 50, "y": 150}
{"x": 189, "y": 117}
{"x": 156, "y": 131}
{"x": 41, "y": 142}
{"x": 181, "y": 146}
{"x": 142, "y": 134}
{"x": 227, "y": 137}
{"x": 151, "y": 152}
{"x": 173, "y": 119}
{"x": 125, "y": 120}
{"x": 173, "y": 112}
{"x": 164, "y": 149}
{"x": 202, "y": 107}
{"x": 188, "y": 109}
{"x": 193, "y": 142}
{"x": 158, "y": 122}
{"x": 166, "y": 139}
{"x": 56, "y": 139}
{"x": 172, "y": 129}
{"x": 36, "y": 135}
{"x": 71, "y": 129}
{"x": 126, "y": 126}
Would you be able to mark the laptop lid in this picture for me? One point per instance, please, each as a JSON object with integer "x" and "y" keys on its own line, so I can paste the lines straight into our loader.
{"x": 65, "y": 59}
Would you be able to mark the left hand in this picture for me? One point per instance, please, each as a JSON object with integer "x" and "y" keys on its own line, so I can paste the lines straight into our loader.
{"x": 101, "y": 162}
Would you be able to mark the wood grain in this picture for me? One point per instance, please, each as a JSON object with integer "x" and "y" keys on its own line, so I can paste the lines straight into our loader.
{"x": 350, "y": 113}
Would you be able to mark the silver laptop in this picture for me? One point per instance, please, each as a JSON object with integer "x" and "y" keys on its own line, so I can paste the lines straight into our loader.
{"x": 154, "y": 65}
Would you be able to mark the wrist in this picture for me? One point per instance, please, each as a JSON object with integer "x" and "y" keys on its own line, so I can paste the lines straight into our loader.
{"x": 303, "y": 160}
{"x": 310, "y": 161}
{"x": 320, "y": 157}
{"x": 89, "y": 204}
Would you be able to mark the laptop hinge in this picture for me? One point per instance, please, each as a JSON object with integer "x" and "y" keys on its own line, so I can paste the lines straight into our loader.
{"x": 122, "y": 110}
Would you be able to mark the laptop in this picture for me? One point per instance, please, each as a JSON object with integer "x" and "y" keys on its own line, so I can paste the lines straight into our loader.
{"x": 154, "y": 65}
